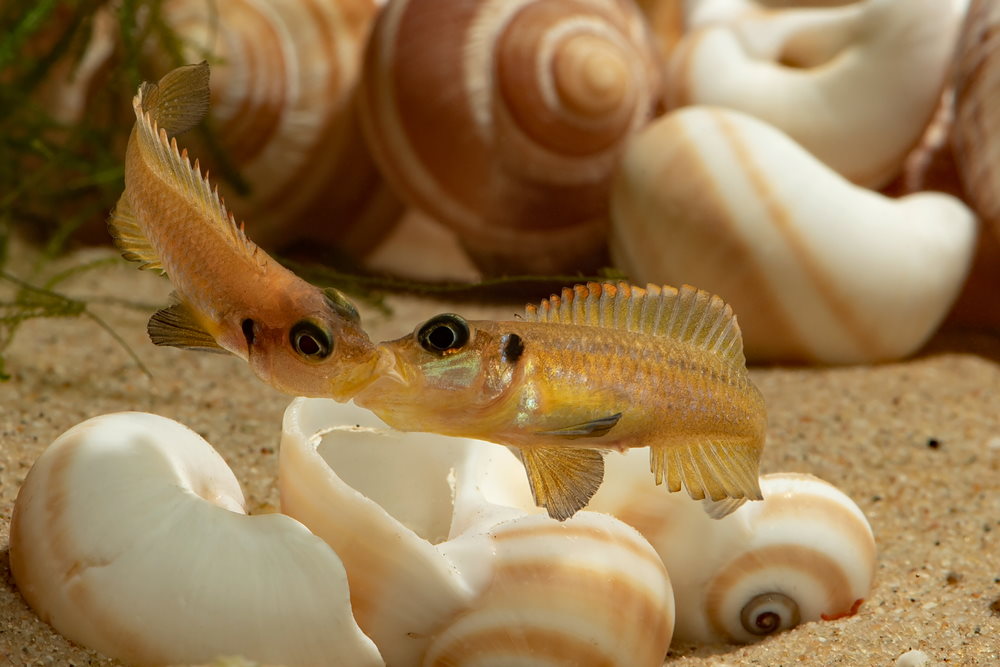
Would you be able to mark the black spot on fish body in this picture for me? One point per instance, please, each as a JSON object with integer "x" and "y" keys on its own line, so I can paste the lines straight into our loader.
{"x": 513, "y": 348}
{"x": 248, "y": 332}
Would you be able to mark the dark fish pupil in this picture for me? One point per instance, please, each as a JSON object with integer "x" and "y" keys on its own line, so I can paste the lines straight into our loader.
{"x": 444, "y": 333}
{"x": 308, "y": 345}
{"x": 310, "y": 341}
{"x": 442, "y": 337}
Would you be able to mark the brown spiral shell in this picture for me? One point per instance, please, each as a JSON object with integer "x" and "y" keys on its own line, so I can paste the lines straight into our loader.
{"x": 976, "y": 131}
{"x": 283, "y": 101}
{"x": 504, "y": 119}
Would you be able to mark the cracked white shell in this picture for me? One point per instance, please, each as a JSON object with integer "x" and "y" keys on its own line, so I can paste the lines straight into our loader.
{"x": 130, "y": 536}
{"x": 816, "y": 268}
{"x": 447, "y": 569}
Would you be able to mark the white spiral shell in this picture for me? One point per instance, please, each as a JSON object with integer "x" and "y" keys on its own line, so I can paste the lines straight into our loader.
{"x": 816, "y": 269}
{"x": 504, "y": 119}
{"x": 855, "y": 85}
{"x": 444, "y": 566}
{"x": 130, "y": 536}
{"x": 804, "y": 553}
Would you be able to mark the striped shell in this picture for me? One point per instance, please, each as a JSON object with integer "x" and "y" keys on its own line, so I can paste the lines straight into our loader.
{"x": 804, "y": 553}
{"x": 131, "y": 537}
{"x": 504, "y": 119}
{"x": 284, "y": 107}
{"x": 976, "y": 132}
{"x": 444, "y": 567}
{"x": 816, "y": 75}
{"x": 815, "y": 268}
{"x": 284, "y": 111}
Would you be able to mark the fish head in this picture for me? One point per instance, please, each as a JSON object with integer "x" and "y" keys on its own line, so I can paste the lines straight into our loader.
{"x": 448, "y": 376}
{"x": 311, "y": 344}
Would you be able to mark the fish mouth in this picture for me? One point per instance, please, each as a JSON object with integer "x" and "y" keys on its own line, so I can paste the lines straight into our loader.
{"x": 384, "y": 367}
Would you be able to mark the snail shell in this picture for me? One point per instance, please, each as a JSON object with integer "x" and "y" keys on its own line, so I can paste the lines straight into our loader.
{"x": 816, "y": 269}
{"x": 283, "y": 100}
{"x": 504, "y": 119}
{"x": 814, "y": 73}
{"x": 446, "y": 568}
{"x": 976, "y": 130}
{"x": 803, "y": 553}
{"x": 130, "y": 536}
{"x": 284, "y": 111}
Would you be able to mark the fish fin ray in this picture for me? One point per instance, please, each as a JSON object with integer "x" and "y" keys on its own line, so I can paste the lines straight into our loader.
{"x": 179, "y": 100}
{"x": 713, "y": 469}
{"x": 717, "y": 509}
{"x": 129, "y": 238}
{"x": 562, "y": 479}
{"x": 177, "y": 326}
{"x": 685, "y": 313}
{"x": 161, "y": 153}
{"x": 589, "y": 429}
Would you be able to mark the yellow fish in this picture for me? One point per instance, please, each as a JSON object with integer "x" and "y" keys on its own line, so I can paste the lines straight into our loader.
{"x": 600, "y": 367}
{"x": 230, "y": 295}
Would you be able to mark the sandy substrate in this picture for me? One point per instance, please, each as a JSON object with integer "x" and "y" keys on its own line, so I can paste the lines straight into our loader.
{"x": 935, "y": 510}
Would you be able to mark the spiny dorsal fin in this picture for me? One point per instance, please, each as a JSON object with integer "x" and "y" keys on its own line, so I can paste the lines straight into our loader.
{"x": 562, "y": 479}
{"x": 716, "y": 470}
{"x": 129, "y": 238}
{"x": 177, "y": 326}
{"x": 178, "y": 99}
{"x": 686, "y": 313}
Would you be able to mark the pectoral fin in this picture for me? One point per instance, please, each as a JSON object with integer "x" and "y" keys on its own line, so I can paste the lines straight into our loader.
{"x": 722, "y": 472}
{"x": 562, "y": 479}
{"x": 177, "y": 326}
{"x": 591, "y": 429}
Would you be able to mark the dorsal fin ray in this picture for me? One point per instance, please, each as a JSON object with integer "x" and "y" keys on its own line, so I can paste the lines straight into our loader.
{"x": 686, "y": 314}
{"x": 179, "y": 100}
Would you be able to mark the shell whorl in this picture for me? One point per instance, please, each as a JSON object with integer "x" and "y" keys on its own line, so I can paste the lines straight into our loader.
{"x": 504, "y": 119}
{"x": 977, "y": 119}
{"x": 585, "y": 592}
{"x": 284, "y": 105}
{"x": 810, "y": 554}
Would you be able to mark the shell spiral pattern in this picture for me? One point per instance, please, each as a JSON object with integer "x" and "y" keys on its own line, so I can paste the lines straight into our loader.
{"x": 804, "y": 553}
{"x": 977, "y": 116}
{"x": 283, "y": 98}
{"x": 503, "y": 119}
{"x": 460, "y": 573}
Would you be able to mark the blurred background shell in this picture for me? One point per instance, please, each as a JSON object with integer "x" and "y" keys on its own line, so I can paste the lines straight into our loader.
{"x": 855, "y": 85}
{"x": 504, "y": 119}
{"x": 816, "y": 268}
{"x": 976, "y": 136}
{"x": 284, "y": 144}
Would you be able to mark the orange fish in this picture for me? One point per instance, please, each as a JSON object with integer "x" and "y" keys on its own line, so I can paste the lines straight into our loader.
{"x": 600, "y": 367}
{"x": 230, "y": 295}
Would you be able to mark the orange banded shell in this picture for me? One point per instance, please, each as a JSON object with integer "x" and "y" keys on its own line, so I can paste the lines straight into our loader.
{"x": 504, "y": 118}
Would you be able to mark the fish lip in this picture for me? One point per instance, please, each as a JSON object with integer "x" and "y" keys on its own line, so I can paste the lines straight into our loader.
{"x": 384, "y": 366}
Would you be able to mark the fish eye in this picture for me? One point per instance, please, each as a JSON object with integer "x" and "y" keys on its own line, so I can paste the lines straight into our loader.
{"x": 443, "y": 334}
{"x": 310, "y": 341}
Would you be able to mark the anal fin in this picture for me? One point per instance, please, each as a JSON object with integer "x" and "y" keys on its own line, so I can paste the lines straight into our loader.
{"x": 562, "y": 479}
{"x": 590, "y": 429}
{"x": 177, "y": 326}
{"x": 724, "y": 473}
